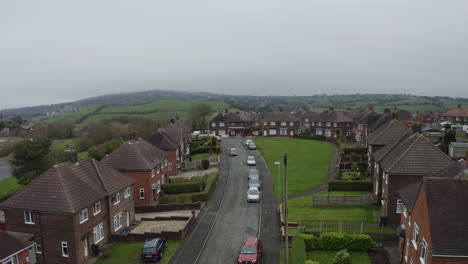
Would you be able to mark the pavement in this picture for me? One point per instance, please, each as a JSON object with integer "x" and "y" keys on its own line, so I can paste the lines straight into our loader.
{"x": 227, "y": 219}
{"x": 5, "y": 169}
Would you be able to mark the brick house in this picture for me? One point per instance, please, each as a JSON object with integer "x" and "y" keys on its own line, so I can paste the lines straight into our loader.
{"x": 179, "y": 134}
{"x": 433, "y": 226}
{"x": 405, "y": 117}
{"x": 173, "y": 148}
{"x": 406, "y": 162}
{"x": 17, "y": 248}
{"x": 456, "y": 116}
{"x": 279, "y": 124}
{"x": 428, "y": 118}
{"x": 145, "y": 163}
{"x": 362, "y": 123}
{"x": 71, "y": 207}
{"x": 308, "y": 119}
{"x": 328, "y": 123}
{"x": 231, "y": 124}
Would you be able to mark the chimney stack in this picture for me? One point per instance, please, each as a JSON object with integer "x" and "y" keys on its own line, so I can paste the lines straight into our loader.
{"x": 371, "y": 108}
{"x": 387, "y": 111}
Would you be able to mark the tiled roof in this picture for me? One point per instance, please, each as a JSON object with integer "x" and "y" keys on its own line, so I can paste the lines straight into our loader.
{"x": 14, "y": 242}
{"x": 175, "y": 132}
{"x": 227, "y": 117}
{"x": 446, "y": 208}
{"x": 387, "y": 133}
{"x": 415, "y": 156}
{"x": 368, "y": 117}
{"x": 163, "y": 141}
{"x": 352, "y": 113}
{"x": 457, "y": 112}
{"x": 456, "y": 170}
{"x": 135, "y": 156}
{"x": 311, "y": 115}
{"x": 379, "y": 122}
{"x": 409, "y": 194}
{"x": 381, "y": 153}
{"x": 69, "y": 187}
{"x": 459, "y": 144}
{"x": 279, "y": 117}
{"x": 333, "y": 116}
{"x": 402, "y": 114}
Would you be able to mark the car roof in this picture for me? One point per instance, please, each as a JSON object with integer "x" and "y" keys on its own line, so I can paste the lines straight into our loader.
{"x": 250, "y": 157}
{"x": 251, "y": 241}
{"x": 254, "y": 188}
{"x": 151, "y": 242}
{"x": 233, "y": 148}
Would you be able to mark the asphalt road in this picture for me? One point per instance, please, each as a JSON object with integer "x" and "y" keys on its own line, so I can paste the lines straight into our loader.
{"x": 236, "y": 219}
{"x": 5, "y": 169}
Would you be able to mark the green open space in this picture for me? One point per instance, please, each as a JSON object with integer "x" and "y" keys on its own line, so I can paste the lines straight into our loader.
{"x": 326, "y": 256}
{"x": 308, "y": 162}
{"x": 60, "y": 144}
{"x": 164, "y": 105}
{"x": 202, "y": 156}
{"x": 8, "y": 187}
{"x": 73, "y": 117}
{"x": 339, "y": 193}
{"x": 129, "y": 252}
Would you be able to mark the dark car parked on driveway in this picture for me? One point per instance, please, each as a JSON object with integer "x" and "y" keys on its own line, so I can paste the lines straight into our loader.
{"x": 153, "y": 249}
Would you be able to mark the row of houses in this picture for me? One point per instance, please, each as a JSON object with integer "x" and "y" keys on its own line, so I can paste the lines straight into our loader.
{"x": 354, "y": 124}
{"x": 420, "y": 190}
{"x": 76, "y": 206}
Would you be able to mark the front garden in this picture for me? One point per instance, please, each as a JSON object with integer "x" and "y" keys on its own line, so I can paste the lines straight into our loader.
{"x": 187, "y": 190}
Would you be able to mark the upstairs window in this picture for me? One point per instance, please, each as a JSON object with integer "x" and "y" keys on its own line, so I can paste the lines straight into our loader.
{"x": 307, "y": 119}
{"x": 97, "y": 208}
{"x": 213, "y": 124}
{"x": 158, "y": 169}
{"x": 116, "y": 198}
{"x": 313, "y": 123}
{"x": 273, "y": 123}
{"x": 265, "y": 123}
{"x": 415, "y": 235}
{"x": 165, "y": 160}
{"x": 399, "y": 204}
{"x": 152, "y": 173}
{"x": 64, "y": 249}
{"x": 83, "y": 215}
{"x": 221, "y": 124}
{"x": 142, "y": 193}
{"x": 28, "y": 217}
{"x": 328, "y": 124}
{"x": 170, "y": 166}
{"x": 283, "y": 123}
{"x": 423, "y": 257}
{"x": 291, "y": 123}
{"x": 335, "y": 124}
{"x": 319, "y": 123}
{"x": 127, "y": 192}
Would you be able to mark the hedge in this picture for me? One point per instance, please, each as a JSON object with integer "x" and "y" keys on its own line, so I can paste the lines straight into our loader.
{"x": 194, "y": 196}
{"x": 187, "y": 187}
{"x": 364, "y": 186}
{"x": 209, "y": 149}
{"x": 338, "y": 241}
{"x": 312, "y": 137}
{"x": 355, "y": 150}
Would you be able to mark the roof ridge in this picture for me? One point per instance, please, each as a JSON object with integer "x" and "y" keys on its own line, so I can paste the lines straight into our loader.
{"x": 100, "y": 176}
{"x": 384, "y": 129}
{"x": 139, "y": 155}
{"x": 63, "y": 187}
{"x": 404, "y": 153}
{"x": 445, "y": 155}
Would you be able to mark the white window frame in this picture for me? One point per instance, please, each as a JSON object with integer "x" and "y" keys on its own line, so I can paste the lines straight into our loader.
{"x": 265, "y": 123}
{"x": 98, "y": 233}
{"x": 272, "y": 131}
{"x": 65, "y": 248}
{"x": 283, "y": 131}
{"x": 38, "y": 249}
{"x": 97, "y": 208}
{"x": 291, "y": 123}
{"x": 273, "y": 123}
{"x": 335, "y": 124}
{"x": 30, "y": 215}
{"x": 141, "y": 193}
{"x": 117, "y": 198}
{"x": 127, "y": 192}
{"x": 319, "y": 123}
{"x": 118, "y": 221}
{"x": 424, "y": 249}
{"x": 307, "y": 119}
{"x": 170, "y": 166}
{"x": 152, "y": 173}
{"x": 328, "y": 124}
{"x": 283, "y": 123}
{"x": 414, "y": 240}
{"x": 213, "y": 124}
{"x": 165, "y": 160}
{"x": 313, "y": 123}
{"x": 399, "y": 204}
{"x": 158, "y": 169}
{"x": 158, "y": 186}
{"x": 405, "y": 211}
{"x": 221, "y": 124}
{"x": 84, "y": 215}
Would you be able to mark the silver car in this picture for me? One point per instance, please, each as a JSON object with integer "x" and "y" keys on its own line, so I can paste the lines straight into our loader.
{"x": 252, "y": 146}
{"x": 253, "y": 173}
{"x": 253, "y": 195}
{"x": 254, "y": 182}
{"x": 233, "y": 152}
{"x": 251, "y": 161}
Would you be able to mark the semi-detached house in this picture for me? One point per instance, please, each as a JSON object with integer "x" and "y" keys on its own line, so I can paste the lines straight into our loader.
{"x": 71, "y": 207}
{"x": 279, "y": 124}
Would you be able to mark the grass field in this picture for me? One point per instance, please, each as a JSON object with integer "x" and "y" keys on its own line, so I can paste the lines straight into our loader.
{"x": 325, "y": 256}
{"x": 165, "y": 105}
{"x": 203, "y": 156}
{"x": 129, "y": 253}
{"x": 309, "y": 161}
{"x": 337, "y": 193}
{"x": 60, "y": 144}
{"x": 74, "y": 116}
{"x": 8, "y": 187}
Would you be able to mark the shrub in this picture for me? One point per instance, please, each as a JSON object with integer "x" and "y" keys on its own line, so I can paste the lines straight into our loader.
{"x": 205, "y": 164}
{"x": 338, "y": 241}
{"x": 311, "y": 242}
{"x": 194, "y": 196}
{"x": 342, "y": 257}
{"x": 187, "y": 187}
{"x": 359, "y": 151}
{"x": 336, "y": 185}
{"x": 312, "y": 137}
{"x": 209, "y": 149}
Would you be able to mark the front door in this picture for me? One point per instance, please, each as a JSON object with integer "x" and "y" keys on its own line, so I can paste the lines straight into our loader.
{"x": 85, "y": 247}
{"x": 127, "y": 213}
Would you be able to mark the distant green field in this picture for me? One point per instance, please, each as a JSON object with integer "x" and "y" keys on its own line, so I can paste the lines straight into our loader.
{"x": 74, "y": 116}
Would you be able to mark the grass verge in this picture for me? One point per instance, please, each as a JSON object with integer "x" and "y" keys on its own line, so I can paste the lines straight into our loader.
{"x": 325, "y": 256}
{"x": 8, "y": 187}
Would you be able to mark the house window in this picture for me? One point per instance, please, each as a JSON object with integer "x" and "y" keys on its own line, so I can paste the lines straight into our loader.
{"x": 28, "y": 217}
{"x": 399, "y": 204}
{"x": 423, "y": 257}
{"x": 291, "y": 123}
{"x": 457, "y": 119}
{"x": 283, "y": 131}
{"x": 328, "y": 124}
{"x": 307, "y": 119}
{"x": 165, "y": 160}
{"x": 152, "y": 173}
{"x": 283, "y": 123}
{"x": 83, "y": 215}
{"x": 98, "y": 233}
{"x": 158, "y": 169}
{"x": 221, "y": 124}
{"x": 158, "y": 186}
{"x": 319, "y": 123}
{"x": 415, "y": 235}
{"x": 97, "y": 208}
{"x": 64, "y": 249}
{"x": 272, "y": 132}
{"x": 404, "y": 210}
{"x": 38, "y": 249}
{"x": 313, "y": 123}
{"x": 142, "y": 193}
{"x": 327, "y": 132}
{"x": 213, "y": 124}
{"x": 117, "y": 221}
{"x": 318, "y": 132}
{"x": 335, "y": 124}
{"x": 273, "y": 123}
{"x": 170, "y": 166}
{"x": 265, "y": 123}
{"x": 117, "y": 198}
{"x": 127, "y": 192}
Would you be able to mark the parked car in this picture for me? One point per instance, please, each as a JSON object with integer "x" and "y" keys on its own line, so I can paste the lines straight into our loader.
{"x": 218, "y": 138}
{"x": 251, "y": 161}
{"x": 233, "y": 152}
{"x": 254, "y": 182}
{"x": 247, "y": 142}
{"x": 253, "y": 173}
{"x": 251, "y": 251}
{"x": 153, "y": 249}
{"x": 253, "y": 195}
{"x": 252, "y": 146}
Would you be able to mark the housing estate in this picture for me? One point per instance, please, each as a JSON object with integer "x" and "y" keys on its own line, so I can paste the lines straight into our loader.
{"x": 172, "y": 147}
{"x": 145, "y": 163}
{"x": 456, "y": 116}
{"x": 17, "y": 248}
{"x": 231, "y": 124}
{"x": 279, "y": 124}
{"x": 332, "y": 123}
{"x": 71, "y": 207}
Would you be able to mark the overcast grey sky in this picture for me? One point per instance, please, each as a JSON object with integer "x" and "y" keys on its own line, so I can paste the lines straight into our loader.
{"x": 57, "y": 51}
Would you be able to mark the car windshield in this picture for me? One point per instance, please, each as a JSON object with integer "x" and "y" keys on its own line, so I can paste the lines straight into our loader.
{"x": 233, "y": 149}
{"x": 251, "y": 158}
{"x": 248, "y": 250}
{"x": 253, "y": 180}
{"x": 149, "y": 250}
{"x": 252, "y": 192}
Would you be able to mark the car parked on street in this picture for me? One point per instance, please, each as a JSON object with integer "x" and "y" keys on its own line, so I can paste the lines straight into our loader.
{"x": 253, "y": 195}
{"x": 251, "y": 161}
{"x": 247, "y": 142}
{"x": 232, "y": 152}
{"x": 153, "y": 249}
{"x": 252, "y": 146}
{"x": 251, "y": 251}
{"x": 253, "y": 173}
{"x": 254, "y": 182}
{"x": 218, "y": 138}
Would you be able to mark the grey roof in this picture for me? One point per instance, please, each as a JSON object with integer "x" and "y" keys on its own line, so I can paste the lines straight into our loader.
{"x": 459, "y": 144}
{"x": 135, "y": 156}
{"x": 381, "y": 153}
{"x": 381, "y": 121}
{"x": 456, "y": 170}
{"x": 387, "y": 133}
{"x": 280, "y": 116}
{"x": 14, "y": 242}
{"x": 69, "y": 187}
{"x": 311, "y": 115}
{"x": 175, "y": 132}
{"x": 333, "y": 116}
{"x": 409, "y": 194}
{"x": 163, "y": 140}
{"x": 415, "y": 156}
{"x": 227, "y": 117}
{"x": 368, "y": 117}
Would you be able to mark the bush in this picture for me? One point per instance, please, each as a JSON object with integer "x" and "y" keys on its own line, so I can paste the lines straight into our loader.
{"x": 205, "y": 164}
{"x": 210, "y": 149}
{"x": 187, "y": 187}
{"x": 364, "y": 186}
{"x": 194, "y": 196}
{"x": 359, "y": 151}
{"x": 338, "y": 241}
{"x": 312, "y": 137}
{"x": 342, "y": 257}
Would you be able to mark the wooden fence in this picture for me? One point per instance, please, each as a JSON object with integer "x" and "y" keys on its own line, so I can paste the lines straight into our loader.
{"x": 344, "y": 199}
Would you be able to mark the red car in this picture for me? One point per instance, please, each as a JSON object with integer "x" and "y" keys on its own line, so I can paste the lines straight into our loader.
{"x": 251, "y": 251}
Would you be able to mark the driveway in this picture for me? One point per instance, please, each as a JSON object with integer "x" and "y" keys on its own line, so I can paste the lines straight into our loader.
{"x": 5, "y": 169}
{"x": 234, "y": 219}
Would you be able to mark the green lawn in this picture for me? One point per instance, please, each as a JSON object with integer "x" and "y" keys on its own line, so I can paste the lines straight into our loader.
{"x": 74, "y": 116}
{"x": 165, "y": 105}
{"x": 8, "y": 187}
{"x": 309, "y": 161}
{"x": 60, "y": 144}
{"x": 326, "y": 257}
{"x": 129, "y": 252}
{"x": 204, "y": 156}
{"x": 338, "y": 193}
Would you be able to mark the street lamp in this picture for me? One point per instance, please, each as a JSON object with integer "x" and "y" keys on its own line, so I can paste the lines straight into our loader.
{"x": 279, "y": 176}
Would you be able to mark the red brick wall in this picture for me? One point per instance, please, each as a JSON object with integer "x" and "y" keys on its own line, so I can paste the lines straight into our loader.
{"x": 395, "y": 183}
{"x": 172, "y": 158}
{"x": 145, "y": 181}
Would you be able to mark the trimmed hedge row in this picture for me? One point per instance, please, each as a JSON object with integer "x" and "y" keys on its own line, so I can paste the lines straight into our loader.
{"x": 338, "y": 241}
{"x": 194, "y": 196}
{"x": 187, "y": 187}
{"x": 312, "y": 137}
{"x": 355, "y": 151}
{"x": 210, "y": 149}
{"x": 365, "y": 186}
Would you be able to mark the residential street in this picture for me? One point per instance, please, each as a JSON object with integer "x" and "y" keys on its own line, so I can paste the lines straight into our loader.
{"x": 237, "y": 219}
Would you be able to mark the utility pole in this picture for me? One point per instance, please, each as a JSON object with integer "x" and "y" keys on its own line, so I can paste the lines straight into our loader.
{"x": 286, "y": 223}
